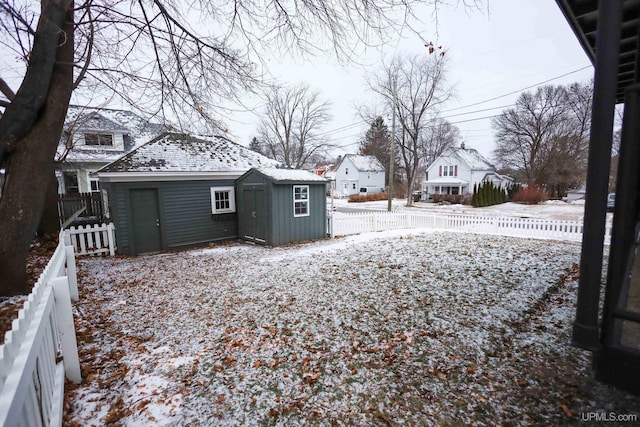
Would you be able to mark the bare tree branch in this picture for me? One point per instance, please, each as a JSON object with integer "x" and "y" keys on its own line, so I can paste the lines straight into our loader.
{"x": 290, "y": 127}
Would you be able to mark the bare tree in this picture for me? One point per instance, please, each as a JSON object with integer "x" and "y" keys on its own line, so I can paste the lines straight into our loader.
{"x": 545, "y": 136}
{"x": 290, "y": 128}
{"x": 440, "y": 136}
{"x": 421, "y": 89}
{"x": 150, "y": 56}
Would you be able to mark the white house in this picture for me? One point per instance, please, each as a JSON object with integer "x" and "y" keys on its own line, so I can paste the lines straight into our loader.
{"x": 355, "y": 174}
{"x": 94, "y": 137}
{"x": 457, "y": 170}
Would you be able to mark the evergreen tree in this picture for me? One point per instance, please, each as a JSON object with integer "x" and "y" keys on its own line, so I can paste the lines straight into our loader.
{"x": 256, "y": 146}
{"x": 481, "y": 195}
{"x": 377, "y": 142}
{"x": 474, "y": 196}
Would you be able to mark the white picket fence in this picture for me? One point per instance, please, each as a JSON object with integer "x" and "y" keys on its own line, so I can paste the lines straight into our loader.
{"x": 362, "y": 222}
{"x": 41, "y": 347}
{"x": 93, "y": 239}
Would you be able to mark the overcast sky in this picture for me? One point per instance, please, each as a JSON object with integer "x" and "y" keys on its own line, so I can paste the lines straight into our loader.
{"x": 493, "y": 56}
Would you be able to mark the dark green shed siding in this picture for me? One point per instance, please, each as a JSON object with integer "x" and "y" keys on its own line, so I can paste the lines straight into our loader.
{"x": 185, "y": 213}
{"x": 282, "y": 226}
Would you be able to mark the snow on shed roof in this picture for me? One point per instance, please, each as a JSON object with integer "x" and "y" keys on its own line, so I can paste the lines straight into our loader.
{"x": 297, "y": 175}
{"x": 473, "y": 159}
{"x": 175, "y": 152}
{"x": 365, "y": 163}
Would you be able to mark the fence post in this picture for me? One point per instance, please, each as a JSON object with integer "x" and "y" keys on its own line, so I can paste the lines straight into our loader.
{"x": 68, "y": 343}
{"x": 373, "y": 220}
{"x": 112, "y": 241}
{"x": 72, "y": 273}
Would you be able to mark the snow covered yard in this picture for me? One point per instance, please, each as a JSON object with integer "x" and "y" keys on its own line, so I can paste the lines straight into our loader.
{"x": 394, "y": 328}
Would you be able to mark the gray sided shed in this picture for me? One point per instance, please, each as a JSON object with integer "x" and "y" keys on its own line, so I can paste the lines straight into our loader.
{"x": 281, "y": 206}
{"x": 151, "y": 216}
{"x": 176, "y": 191}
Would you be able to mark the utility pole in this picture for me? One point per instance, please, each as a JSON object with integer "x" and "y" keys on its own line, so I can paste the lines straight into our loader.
{"x": 393, "y": 145}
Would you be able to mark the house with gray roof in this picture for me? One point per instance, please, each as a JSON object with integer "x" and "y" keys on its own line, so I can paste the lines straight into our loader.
{"x": 179, "y": 191}
{"x": 457, "y": 170}
{"x": 357, "y": 174}
{"x": 94, "y": 137}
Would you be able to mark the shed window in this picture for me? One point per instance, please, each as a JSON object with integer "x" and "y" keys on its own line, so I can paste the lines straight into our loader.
{"x": 98, "y": 139}
{"x": 223, "y": 200}
{"x": 300, "y": 200}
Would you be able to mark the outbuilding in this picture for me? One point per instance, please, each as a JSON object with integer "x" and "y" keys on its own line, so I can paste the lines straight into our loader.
{"x": 176, "y": 191}
{"x": 281, "y": 206}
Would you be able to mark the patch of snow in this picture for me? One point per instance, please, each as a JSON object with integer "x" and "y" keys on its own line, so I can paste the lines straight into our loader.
{"x": 291, "y": 174}
{"x": 417, "y": 327}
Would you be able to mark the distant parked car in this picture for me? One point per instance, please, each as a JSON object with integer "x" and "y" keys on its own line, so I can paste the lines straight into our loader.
{"x": 611, "y": 201}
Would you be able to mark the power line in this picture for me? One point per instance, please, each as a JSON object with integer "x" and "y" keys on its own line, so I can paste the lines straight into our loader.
{"x": 361, "y": 122}
{"x": 520, "y": 90}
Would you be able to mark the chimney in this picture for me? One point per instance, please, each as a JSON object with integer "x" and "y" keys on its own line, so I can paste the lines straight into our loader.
{"x": 462, "y": 145}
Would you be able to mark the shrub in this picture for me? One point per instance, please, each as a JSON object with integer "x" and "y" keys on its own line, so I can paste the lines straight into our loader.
{"x": 455, "y": 199}
{"x": 487, "y": 194}
{"x": 530, "y": 195}
{"x": 358, "y": 198}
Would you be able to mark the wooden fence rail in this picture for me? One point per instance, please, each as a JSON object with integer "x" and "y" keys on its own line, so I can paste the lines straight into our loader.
{"x": 41, "y": 347}
{"x": 93, "y": 239}
{"x": 342, "y": 224}
{"x": 91, "y": 203}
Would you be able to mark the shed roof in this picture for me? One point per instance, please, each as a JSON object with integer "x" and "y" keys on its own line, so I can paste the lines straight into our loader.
{"x": 290, "y": 175}
{"x": 175, "y": 152}
{"x": 365, "y": 163}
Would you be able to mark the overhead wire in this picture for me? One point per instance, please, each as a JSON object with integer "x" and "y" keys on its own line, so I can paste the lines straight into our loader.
{"x": 361, "y": 121}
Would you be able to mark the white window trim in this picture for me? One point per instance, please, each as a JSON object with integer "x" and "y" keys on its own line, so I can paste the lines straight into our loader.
{"x": 232, "y": 200}
{"x": 90, "y": 179}
{"x": 306, "y": 200}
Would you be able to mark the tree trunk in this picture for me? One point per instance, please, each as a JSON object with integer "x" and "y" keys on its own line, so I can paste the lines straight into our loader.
{"x": 49, "y": 220}
{"x": 29, "y": 167}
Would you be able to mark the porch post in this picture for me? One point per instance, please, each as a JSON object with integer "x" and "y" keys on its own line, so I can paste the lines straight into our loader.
{"x": 585, "y": 328}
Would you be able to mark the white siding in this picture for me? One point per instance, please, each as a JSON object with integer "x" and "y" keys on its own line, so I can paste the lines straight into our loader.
{"x": 351, "y": 182}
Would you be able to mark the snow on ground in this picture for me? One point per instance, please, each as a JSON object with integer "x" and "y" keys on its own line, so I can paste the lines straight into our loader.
{"x": 393, "y": 328}
{"x": 553, "y": 209}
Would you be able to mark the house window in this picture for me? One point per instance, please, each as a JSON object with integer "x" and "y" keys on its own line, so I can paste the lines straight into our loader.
{"x": 346, "y": 171}
{"x": 71, "y": 182}
{"x": 448, "y": 171}
{"x": 98, "y": 139}
{"x": 300, "y": 200}
{"x": 94, "y": 182}
{"x": 222, "y": 200}
{"x": 353, "y": 185}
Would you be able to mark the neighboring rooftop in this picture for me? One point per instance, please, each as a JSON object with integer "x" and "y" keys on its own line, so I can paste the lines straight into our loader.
{"x": 365, "y": 163}
{"x": 137, "y": 130}
{"x": 140, "y": 128}
{"x": 473, "y": 159}
{"x": 175, "y": 152}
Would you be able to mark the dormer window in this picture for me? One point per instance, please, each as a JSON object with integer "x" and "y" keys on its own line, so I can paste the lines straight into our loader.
{"x": 98, "y": 139}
